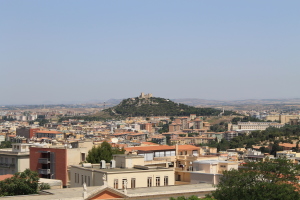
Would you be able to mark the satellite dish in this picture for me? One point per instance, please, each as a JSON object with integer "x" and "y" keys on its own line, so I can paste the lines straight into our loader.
{"x": 114, "y": 140}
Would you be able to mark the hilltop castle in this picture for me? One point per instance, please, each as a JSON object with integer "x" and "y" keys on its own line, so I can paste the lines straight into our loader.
{"x": 145, "y": 96}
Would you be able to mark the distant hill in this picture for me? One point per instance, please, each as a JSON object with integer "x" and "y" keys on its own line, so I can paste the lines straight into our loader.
{"x": 156, "y": 106}
{"x": 204, "y": 102}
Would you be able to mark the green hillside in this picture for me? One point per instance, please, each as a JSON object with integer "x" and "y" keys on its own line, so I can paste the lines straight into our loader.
{"x": 155, "y": 106}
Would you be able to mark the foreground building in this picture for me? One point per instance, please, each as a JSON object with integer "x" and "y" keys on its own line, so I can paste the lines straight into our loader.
{"x": 123, "y": 169}
{"x": 106, "y": 192}
{"x": 15, "y": 159}
{"x": 52, "y": 162}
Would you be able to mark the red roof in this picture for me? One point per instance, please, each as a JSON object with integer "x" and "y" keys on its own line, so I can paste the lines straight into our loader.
{"x": 151, "y": 148}
{"x": 187, "y": 147}
{"x": 3, "y": 177}
{"x": 163, "y": 147}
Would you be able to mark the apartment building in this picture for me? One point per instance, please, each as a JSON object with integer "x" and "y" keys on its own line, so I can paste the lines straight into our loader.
{"x": 50, "y": 134}
{"x": 210, "y": 171}
{"x": 192, "y": 140}
{"x": 228, "y": 135}
{"x": 15, "y": 159}
{"x": 137, "y": 136}
{"x": 159, "y": 139}
{"x": 124, "y": 169}
{"x": 52, "y": 162}
{"x": 27, "y": 132}
{"x": 174, "y": 127}
{"x": 250, "y": 126}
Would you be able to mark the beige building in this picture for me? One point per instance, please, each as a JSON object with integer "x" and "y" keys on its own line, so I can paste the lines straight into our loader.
{"x": 250, "y": 126}
{"x": 49, "y": 134}
{"x": 209, "y": 171}
{"x": 124, "y": 169}
{"x": 283, "y": 119}
{"x": 15, "y": 159}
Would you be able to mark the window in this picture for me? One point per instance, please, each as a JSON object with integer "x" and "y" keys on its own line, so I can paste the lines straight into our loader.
{"x": 116, "y": 184}
{"x": 82, "y": 156}
{"x": 166, "y": 180}
{"x": 133, "y": 183}
{"x": 149, "y": 182}
{"x": 89, "y": 183}
{"x": 81, "y": 179}
{"x": 85, "y": 179}
{"x": 157, "y": 181}
{"x": 75, "y": 177}
{"x": 124, "y": 181}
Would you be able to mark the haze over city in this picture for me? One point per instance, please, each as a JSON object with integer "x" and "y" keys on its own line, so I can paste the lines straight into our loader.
{"x": 78, "y": 51}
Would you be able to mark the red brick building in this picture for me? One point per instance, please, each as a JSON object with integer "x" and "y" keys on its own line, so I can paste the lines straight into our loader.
{"x": 50, "y": 163}
{"x": 27, "y": 132}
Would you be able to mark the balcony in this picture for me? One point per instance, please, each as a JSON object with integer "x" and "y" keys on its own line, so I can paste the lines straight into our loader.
{"x": 6, "y": 165}
{"x": 44, "y": 171}
{"x": 44, "y": 160}
{"x": 187, "y": 157}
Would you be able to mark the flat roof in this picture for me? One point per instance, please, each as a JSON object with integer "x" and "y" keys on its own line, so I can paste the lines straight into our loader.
{"x": 123, "y": 170}
{"x": 76, "y": 193}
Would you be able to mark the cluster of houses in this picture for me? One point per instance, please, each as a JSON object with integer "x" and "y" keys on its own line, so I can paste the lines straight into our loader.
{"x": 58, "y": 151}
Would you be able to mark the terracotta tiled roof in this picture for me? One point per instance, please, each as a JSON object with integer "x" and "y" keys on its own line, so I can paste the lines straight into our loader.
{"x": 149, "y": 143}
{"x": 187, "y": 147}
{"x": 287, "y": 145}
{"x": 137, "y": 134}
{"x": 151, "y": 148}
{"x": 3, "y": 177}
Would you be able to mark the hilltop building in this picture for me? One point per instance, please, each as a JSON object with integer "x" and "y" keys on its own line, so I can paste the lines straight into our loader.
{"x": 145, "y": 96}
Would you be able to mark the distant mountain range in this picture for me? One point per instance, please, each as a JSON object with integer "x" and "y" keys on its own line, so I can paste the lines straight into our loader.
{"x": 204, "y": 102}
{"x": 188, "y": 101}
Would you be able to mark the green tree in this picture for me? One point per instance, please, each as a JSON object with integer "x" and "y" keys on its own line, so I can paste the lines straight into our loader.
{"x": 164, "y": 129}
{"x": 22, "y": 183}
{"x": 5, "y": 144}
{"x": 276, "y": 147}
{"x": 185, "y": 198}
{"x": 273, "y": 179}
{"x": 102, "y": 152}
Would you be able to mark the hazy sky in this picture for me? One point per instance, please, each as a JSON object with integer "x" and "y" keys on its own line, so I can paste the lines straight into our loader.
{"x": 63, "y": 51}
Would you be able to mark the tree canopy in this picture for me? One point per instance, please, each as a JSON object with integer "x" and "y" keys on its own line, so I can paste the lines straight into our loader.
{"x": 102, "y": 152}
{"x": 5, "y": 144}
{"x": 22, "y": 183}
{"x": 273, "y": 179}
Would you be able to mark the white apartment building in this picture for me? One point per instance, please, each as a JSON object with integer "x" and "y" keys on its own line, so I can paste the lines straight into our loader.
{"x": 251, "y": 126}
{"x": 124, "y": 168}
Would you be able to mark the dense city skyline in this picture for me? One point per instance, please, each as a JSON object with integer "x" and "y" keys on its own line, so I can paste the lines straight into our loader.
{"x": 63, "y": 51}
